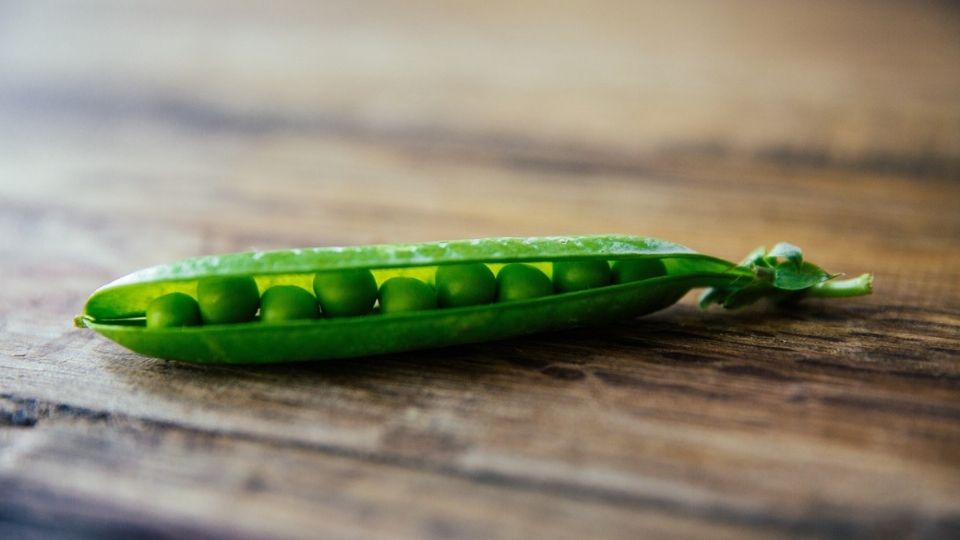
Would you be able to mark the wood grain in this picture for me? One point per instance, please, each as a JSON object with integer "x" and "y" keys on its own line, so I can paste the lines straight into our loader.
{"x": 131, "y": 136}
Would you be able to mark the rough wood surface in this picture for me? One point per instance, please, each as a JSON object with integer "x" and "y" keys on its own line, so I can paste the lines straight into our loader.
{"x": 133, "y": 135}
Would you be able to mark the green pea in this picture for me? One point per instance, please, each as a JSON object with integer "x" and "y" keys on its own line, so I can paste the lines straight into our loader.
{"x": 344, "y": 293}
{"x": 465, "y": 285}
{"x": 570, "y": 276}
{"x": 228, "y": 299}
{"x": 287, "y": 303}
{"x": 174, "y": 309}
{"x": 627, "y": 270}
{"x": 517, "y": 281}
{"x": 401, "y": 294}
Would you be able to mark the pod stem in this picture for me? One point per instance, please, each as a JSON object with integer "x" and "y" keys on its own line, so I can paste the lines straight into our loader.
{"x": 781, "y": 275}
{"x": 858, "y": 286}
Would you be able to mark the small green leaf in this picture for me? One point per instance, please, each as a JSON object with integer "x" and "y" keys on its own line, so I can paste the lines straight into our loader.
{"x": 789, "y": 276}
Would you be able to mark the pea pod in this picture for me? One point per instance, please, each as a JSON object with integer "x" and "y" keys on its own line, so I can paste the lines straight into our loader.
{"x": 117, "y": 309}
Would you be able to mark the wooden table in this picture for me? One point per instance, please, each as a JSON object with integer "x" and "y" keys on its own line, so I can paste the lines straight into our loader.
{"x": 134, "y": 134}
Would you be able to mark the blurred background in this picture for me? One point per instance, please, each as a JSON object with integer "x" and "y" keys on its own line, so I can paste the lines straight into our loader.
{"x": 136, "y": 133}
{"x": 243, "y": 124}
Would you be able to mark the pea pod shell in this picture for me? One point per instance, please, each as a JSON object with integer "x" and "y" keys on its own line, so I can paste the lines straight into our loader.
{"x": 110, "y": 308}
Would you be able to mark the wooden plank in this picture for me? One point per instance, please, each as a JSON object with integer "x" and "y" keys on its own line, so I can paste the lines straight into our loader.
{"x": 730, "y": 418}
{"x": 715, "y": 414}
{"x": 833, "y": 126}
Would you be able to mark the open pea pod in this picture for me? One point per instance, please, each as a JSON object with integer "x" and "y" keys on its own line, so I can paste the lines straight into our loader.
{"x": 117, "y": 309}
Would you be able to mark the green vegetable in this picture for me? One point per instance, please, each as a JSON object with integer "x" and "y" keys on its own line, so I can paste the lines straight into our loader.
{"x": 518, "y": 281}
{"x": 629, "y": 270}
{"x": 229, "y": 299}
{"x": 783, "y": 276}
{"x": 401, "y": 294}
{"x": 461, "y": 285}
{"x": 570, "y": 276}
{"x": 345, "y": 277}
{"x": 174, "y": 309}
{"x": 347, "y": 292}
{"x": 287, "y": 303}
